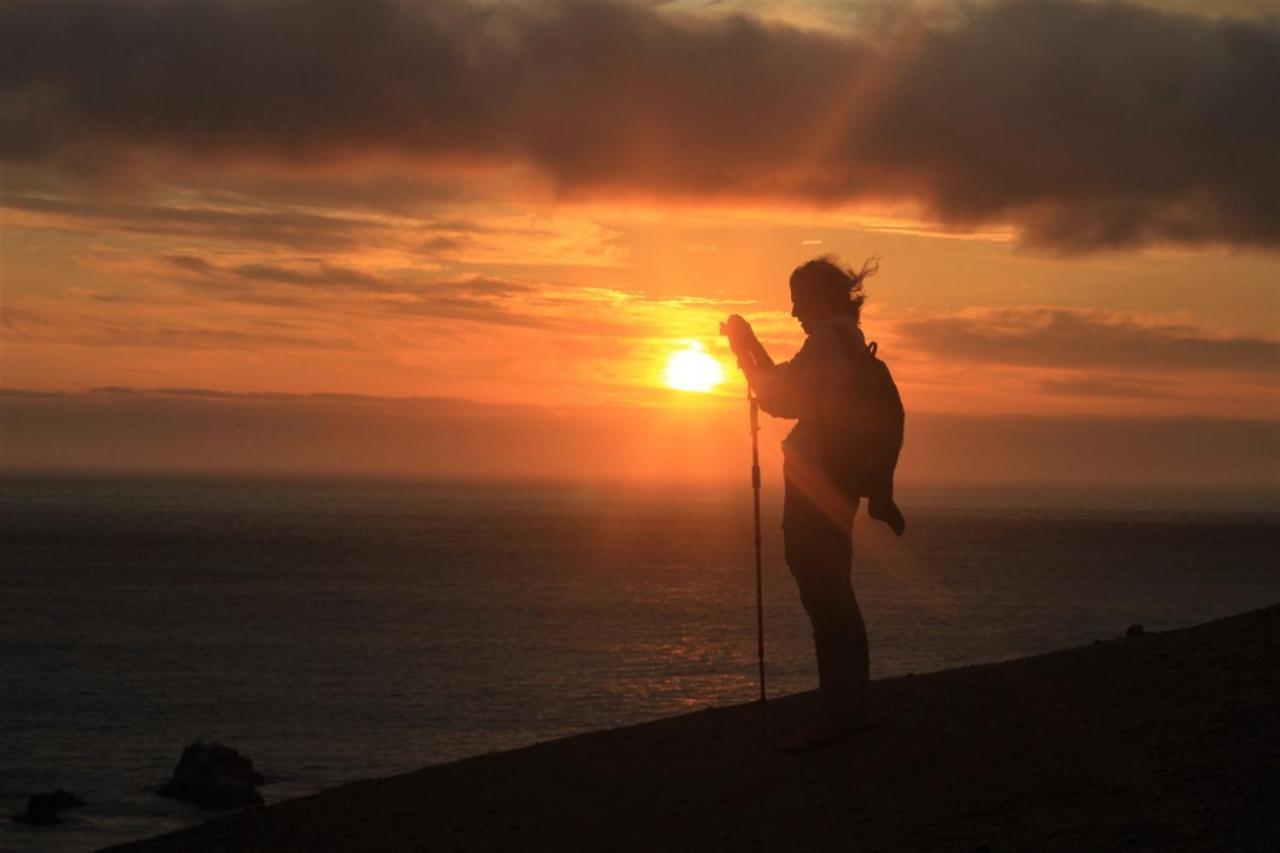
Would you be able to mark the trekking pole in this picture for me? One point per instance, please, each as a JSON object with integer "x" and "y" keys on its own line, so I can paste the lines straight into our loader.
{"x": 755, "y": 490}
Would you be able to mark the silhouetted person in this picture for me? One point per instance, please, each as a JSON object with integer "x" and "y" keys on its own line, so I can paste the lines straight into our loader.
{"x": 817, "y": 516}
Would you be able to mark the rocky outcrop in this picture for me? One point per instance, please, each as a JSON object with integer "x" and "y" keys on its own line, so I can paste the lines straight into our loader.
{"x": 42, "y": 809}
{"x": 214, "y": 776}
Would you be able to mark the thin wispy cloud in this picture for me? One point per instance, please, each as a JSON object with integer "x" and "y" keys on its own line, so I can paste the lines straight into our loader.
{"x": 1123, "y": 387}
{"x": 302, "y": 230}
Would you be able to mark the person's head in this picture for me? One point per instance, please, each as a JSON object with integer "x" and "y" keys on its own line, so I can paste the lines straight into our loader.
{"x": 822, "y": 289}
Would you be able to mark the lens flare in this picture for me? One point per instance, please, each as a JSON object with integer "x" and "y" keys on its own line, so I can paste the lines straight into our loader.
{"x": 692, "y": 369}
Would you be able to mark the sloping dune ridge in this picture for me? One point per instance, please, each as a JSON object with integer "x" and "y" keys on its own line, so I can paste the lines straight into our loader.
{"x": 1166, "y": 741}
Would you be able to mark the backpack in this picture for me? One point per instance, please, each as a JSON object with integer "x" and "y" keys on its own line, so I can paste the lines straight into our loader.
{"x": 862, "y": 434}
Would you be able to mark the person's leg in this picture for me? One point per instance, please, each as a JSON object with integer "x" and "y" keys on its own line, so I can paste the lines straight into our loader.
{"x": 840, "y": 639}
{"x": 848, "y": 641}
{"x": 819, "y": 553}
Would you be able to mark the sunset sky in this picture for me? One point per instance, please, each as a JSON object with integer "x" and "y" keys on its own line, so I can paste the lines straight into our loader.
{"x": 466, "y": 237}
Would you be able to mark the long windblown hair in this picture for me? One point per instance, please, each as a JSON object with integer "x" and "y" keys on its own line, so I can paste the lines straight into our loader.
{"x": 839, "y": 284}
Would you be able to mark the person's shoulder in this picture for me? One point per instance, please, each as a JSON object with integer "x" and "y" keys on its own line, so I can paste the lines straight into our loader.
{"x": 847, "y": 328}
{"x": 836, "y": 336}
{"x": 819, "y": 343}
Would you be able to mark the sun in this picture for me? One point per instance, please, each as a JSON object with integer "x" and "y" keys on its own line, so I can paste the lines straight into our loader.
{"x": 692, "y": 369}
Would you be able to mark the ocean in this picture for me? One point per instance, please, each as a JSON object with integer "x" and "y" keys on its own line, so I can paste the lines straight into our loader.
{"x": 334, "y": 630}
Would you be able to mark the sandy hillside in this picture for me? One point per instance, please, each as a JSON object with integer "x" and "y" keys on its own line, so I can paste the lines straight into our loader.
{"x": 1160, "y": 742}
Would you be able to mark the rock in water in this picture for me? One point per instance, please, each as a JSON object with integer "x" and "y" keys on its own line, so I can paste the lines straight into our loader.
{"x": 1135, "y": 631}
{"x": 214, "y": 776}
{"x": 42, "y": 809}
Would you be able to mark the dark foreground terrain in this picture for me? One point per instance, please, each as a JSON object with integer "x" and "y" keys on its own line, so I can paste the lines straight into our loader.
{"x": 1155, "y": 742}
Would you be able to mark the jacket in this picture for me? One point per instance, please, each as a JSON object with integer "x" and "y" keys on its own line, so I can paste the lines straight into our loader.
{"x": 799, "y": 388}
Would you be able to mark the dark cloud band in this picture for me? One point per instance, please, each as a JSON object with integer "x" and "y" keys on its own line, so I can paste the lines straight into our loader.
{"x": 1064, "y": 337}
{"x": 1085, "y": 125}
{"x": 196, "y": 429}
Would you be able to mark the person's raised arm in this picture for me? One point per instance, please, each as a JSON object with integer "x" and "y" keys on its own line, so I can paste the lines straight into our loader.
{"x": 784, "y": 389}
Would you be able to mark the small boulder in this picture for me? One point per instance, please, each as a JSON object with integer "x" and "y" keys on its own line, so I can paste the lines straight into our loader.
{"x": 42, "y": 809}
{"x": 214, "y": 776}
{"x": 1135, "y": 631}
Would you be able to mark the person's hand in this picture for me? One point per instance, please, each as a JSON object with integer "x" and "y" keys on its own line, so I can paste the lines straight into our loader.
{"x": 740, "y": 334}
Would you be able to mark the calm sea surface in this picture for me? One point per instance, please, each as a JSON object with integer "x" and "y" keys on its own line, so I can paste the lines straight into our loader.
{"x": 339, "y": 630}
